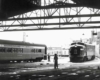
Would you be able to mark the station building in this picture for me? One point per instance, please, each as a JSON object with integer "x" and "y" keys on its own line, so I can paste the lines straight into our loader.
{"x": 95, "y": 39}
{"x": 57, "y": 50}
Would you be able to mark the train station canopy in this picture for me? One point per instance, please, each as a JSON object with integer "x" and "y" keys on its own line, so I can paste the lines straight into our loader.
{"x": 9, "y": 8}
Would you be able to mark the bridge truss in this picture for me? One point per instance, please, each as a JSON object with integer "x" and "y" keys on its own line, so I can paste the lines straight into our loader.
{"x": 54, "y": 14}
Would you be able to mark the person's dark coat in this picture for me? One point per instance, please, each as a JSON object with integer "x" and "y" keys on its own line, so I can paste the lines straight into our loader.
{"x": 55, "y": 61}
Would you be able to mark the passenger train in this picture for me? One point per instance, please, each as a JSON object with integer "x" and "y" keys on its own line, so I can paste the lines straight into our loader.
{"x": 21, "y": 51}
{"x": 80, "y": 52}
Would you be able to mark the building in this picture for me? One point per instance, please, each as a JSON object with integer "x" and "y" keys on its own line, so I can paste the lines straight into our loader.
{"x": 57, "y": 50}
{"x": 95, "y": 39}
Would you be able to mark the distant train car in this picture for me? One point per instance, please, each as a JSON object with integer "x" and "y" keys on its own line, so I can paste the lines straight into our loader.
{"x": 21, "y": 51}
{"x": 80, "y": 52}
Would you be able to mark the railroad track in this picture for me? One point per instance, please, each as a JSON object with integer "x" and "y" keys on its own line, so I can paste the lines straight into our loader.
{"x": 64, "y": 74}
{"x": 70, "y": 71}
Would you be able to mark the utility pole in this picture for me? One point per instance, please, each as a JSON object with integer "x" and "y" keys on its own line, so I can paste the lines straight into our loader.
{"x": 24, "y": 37}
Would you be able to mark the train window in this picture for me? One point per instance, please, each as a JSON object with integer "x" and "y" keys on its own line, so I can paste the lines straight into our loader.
{"x": 13, "y": 50}
{"x": 36, "y": 50}
{"x": 20, "y": 50}
{"x": 75, "y": 51}
{"x": 17, "y": 50}
{"x": 2, "y": 49}
{"x": 39, "y": 50}
{"x": 9, "y": 49}
{"x": 33, "y": 50}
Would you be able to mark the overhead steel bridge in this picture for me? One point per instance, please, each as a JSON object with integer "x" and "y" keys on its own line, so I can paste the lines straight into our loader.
{"x": 19, "y": 15}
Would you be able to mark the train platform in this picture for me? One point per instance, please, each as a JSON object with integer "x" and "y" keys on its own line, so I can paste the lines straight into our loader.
{"x": 89, "y": 70}
{"x": 79, "y": 73}
{"x": 63, "y": 63}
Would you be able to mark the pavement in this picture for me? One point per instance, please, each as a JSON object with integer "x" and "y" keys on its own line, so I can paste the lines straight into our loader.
{"x": 64, "y": 62}
{"x": 67, "y": 71}
{"x": 46, "y": 65}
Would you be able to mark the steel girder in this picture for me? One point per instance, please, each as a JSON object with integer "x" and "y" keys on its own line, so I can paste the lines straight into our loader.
{"x": 54, "y": 15}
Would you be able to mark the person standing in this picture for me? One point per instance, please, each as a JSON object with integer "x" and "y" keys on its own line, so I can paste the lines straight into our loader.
{"x": 49, "y": 58}
{"x": 55, "y": 61}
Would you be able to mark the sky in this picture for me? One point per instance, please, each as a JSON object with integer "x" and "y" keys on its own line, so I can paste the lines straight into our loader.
{"x": 51, "y": 38}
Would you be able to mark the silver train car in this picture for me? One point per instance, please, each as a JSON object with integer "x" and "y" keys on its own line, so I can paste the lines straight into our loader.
{"x": 80, "y": 52}
{"x": 21, "y": 51}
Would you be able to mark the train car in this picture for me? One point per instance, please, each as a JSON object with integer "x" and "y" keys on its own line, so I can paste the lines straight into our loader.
{"x": 21, "y": 51}
{"x": 80, "y": 52}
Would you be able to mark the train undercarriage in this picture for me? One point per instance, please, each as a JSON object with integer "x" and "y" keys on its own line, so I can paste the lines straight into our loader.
{"x": 22, "y": 60}
{"x": 81, "y": 59}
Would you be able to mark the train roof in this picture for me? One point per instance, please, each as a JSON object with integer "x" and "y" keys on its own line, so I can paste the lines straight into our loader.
{"x": 19, "y": 43}
{"x": 82, "y": 43}
{"x": 78, "y": 43}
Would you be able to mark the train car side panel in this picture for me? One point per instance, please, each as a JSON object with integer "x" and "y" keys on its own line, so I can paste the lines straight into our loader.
{"x": 90, "y": 51}
{"x": 21, "y": 51}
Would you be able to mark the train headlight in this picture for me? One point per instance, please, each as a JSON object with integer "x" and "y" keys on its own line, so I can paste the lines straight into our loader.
{"x": 75, "y": 45}
{"x": 81, "y": 49}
